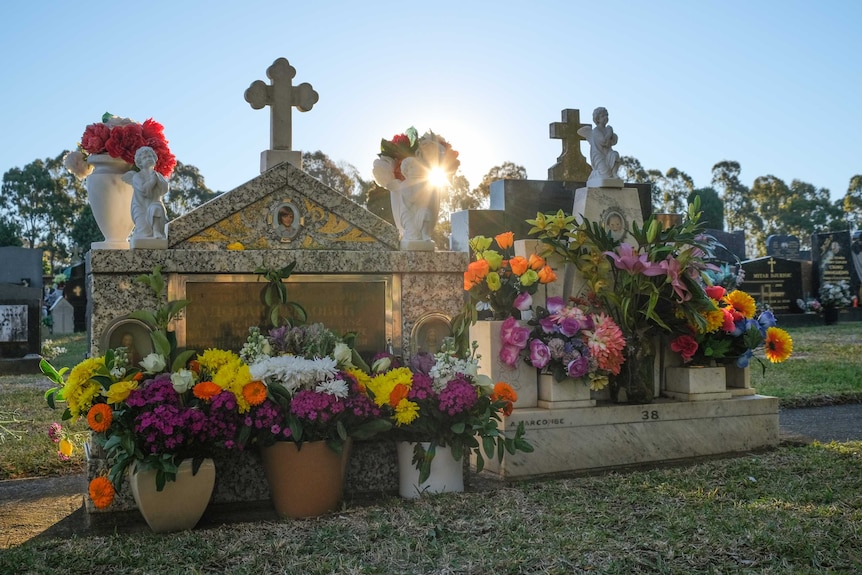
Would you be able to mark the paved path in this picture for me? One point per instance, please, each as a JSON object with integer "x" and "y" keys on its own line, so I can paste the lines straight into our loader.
{"x": 831, "y": 423}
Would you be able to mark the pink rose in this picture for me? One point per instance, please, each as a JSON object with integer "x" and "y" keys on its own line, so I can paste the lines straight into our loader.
{"x": 555, "y": 305}
{"x": 523, "y": 302}
{"x": 540, "y": 355}
{"x": 569, "y": 326}
{"x": 509, "y": 355}
{"x": 513, "y": 334}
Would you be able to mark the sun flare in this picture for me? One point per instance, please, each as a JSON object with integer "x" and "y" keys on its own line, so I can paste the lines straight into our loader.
{"x": 437, "y": 177}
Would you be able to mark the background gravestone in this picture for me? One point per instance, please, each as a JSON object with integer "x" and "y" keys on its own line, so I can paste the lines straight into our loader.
{"x": 732, "y": 249}
{"x": 775, "y": 281}
{"x": 832, "y": 260}
{"x": 782, "y": 246}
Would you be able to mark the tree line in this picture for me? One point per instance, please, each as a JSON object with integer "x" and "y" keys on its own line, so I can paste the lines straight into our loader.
{"x": 44, "y": 206}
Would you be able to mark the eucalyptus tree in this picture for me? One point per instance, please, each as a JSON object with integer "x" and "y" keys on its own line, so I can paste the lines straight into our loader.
{"x": 738, "y": 212}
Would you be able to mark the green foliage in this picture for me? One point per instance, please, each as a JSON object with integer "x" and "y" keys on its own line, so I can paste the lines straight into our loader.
{"x": 187, "y": 190}
{"x": 10, "y": 232}
{"x": 712, "y": 207}
{"x": 159, "y": 319}
{"x": 279, "y": 310}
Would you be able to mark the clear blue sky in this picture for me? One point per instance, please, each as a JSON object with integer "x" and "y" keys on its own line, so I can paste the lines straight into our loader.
{"x": 774, "y": 85}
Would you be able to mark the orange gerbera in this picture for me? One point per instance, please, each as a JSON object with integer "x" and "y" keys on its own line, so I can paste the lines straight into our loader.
{"x": 99, "y": 417}
{"x": 505, "y": 240}
{"x": 398, "y": 393}
{"x": 778, "y": 345}
{"x": 547, "y": 275}
{"x": 254, "y": 392}
{"x": 206, "y": 390}
{"x": 519, "y": 265}
{"x": 101, "y": 492}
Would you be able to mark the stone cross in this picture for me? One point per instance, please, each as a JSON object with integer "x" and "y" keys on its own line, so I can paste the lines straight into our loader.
{"x": 281, "y": 96}
{"x": 571, "y": 166}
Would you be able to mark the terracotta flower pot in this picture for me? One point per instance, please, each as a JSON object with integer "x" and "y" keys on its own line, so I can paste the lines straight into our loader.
{"x": 306, "y": 481}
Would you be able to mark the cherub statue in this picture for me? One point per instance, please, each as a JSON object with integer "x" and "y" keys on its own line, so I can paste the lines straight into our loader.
{"x": 604, "y": 160}
{"x": 148, "y": 210}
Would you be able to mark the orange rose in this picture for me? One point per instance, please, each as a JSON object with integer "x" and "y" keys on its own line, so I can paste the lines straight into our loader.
{"x": 505, "y": 240}
{"x": 536, "y": 262}
{"x": 399, "y": 392}
{"x": 519, "y": 265}
{"x": 547, "y": 275}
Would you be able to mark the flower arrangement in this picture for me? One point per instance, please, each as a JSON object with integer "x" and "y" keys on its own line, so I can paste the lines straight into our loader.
{"x": 312, "y": 390}
{"x": 834, "y": 295}
{"x": 443, "y": 400}
{"x": 500, "y": 281}
{"x": 407, "y": 150}
{"x": 566, "y": 341}
{"x": 120, "y": 138}
{"x": 653, "y": 286}
{"x": 809, "y": 305}
{"x": 734, "y": 330}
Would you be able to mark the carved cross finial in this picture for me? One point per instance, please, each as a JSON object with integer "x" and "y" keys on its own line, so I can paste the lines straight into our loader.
{"x": 571, "y": 166}
{"x": 281, "y": 96}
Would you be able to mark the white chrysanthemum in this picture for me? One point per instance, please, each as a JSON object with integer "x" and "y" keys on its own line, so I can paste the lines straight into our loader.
{"x": 336, "y": 387}
{"x": 294, "y": 372}
{"x": 77, "y": 165}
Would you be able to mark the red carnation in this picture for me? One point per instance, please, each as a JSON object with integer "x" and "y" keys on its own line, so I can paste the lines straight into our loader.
{"x": 152, "y": 129}
{"x": 94, "y": 138}
{"x": 125, "y": 141}
{"x": 715, "y": 292}
{"x": 166, "y": 160}
{"x": 401, "y": 140}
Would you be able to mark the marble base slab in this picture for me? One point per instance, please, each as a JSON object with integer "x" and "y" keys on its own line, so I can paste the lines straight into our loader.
{"x": 609, "y": 436}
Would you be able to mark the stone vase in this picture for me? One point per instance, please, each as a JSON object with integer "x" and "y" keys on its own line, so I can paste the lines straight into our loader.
{"x": 696, "y": 383}
{"x": 568, "y": 393}
{"x": 181, "y": 503}
{"x": 636, "y": 381}
{"x": 830, "y": 315}
{"x": 307, "y": 480}
{"x": 447, "y": 473}
{"x": 111, "y": 201}
{"x": 523, "y": 377}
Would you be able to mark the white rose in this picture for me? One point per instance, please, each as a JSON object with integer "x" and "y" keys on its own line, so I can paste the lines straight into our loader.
{"x": 182, "y": 380}
{"x": 153, "y": 363}
{"x": 343, "y": 355}
{"x": 77, "y": 165}
{"x": 381, "y": 364}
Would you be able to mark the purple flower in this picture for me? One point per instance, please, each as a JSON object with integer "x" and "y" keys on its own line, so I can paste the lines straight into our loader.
{"x": 555, "y": 305}
{"x": 421, "y": 388}
{"x": 540, "y": 355}
{"x": 629, "y": 260}
{"x": 458, "y": 396}
{"x": 55, "y": 431}
{"x": 578, "y": 367}
{"x": 549, "y": 324}
{"x": 422, "y": 362}
{"x": 569, "y": 326}
{"x": 523, "y": 302}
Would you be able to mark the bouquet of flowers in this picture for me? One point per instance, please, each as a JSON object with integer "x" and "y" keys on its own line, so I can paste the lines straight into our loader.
{"x": 430, "y": 151}
{"x": 500, "y": 281}
{"x": 566, "y": 341}
{"x": 120, "y": 138}
{"x": 835, "y": 294}
{"x": 734, "y": 330}
{"x": 311, "y": 389}
{"x": 443, "y": 400}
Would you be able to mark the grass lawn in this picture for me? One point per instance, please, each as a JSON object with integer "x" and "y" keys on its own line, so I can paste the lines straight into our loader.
{"x": 794, "y": 509}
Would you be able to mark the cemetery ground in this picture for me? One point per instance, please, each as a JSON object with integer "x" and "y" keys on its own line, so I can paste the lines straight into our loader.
{"x": 793, "y": 509}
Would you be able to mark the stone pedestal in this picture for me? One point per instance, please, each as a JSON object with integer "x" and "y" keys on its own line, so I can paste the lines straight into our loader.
{"x": 615, "y": 209}
{"x": 566, "y": 394}
{"x": 605, "y": 437}
{"x": 739, "y": 380}
{"x": 523, "y": 377}
{"x": 696, "y": 383}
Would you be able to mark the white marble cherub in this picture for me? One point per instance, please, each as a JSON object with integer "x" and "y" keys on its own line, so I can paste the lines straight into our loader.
{"x": 604, "y": 160}
{"x": 148, "y": 210}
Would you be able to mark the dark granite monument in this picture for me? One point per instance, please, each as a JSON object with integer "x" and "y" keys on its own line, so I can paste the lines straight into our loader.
{"x": 775, "y": 281}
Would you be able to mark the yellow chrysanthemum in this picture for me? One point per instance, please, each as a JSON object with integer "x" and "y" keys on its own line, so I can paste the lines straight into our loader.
{"x": 80, "y": 389}
{"x": 233, "y": 376}
{"x": 406, "y": 412}
{"x": 741, "y": 302}
{"x": 382, "y": 385}
{"x": 362, "y": 378}
{"x": 598, "y": 382}
{"x": 118, "y": 392}
{"x": 778, "y": 345}
{"x": 214, "y": 359}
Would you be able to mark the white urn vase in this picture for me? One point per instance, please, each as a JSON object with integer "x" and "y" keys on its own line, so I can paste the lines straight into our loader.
{"x": 111, "y": 201}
